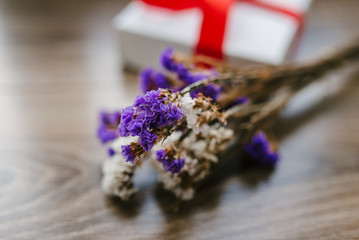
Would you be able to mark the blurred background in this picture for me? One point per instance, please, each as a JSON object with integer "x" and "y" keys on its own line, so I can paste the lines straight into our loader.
{"x": 59, "y": 65}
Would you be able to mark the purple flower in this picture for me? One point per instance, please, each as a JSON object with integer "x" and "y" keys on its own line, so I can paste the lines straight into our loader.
{"x": 184, "y": 74}
{"x": 259, "y": 150}
{"x": 193, "y": 77}
{"x": 176, "y": 165}
{"x": 105, "y": 134}
{"x": 128, "y": 154}
{"x": 148, "y": 116}
{"x": 111, "y": 152}
{"x": 146, "y": 80}
{"x": 210, "y": 90}
{"x": 161, "y": 81}
{"x": 173, "y": 166}
{"x": 147, "y": 140}
{"x": 188, "y": 77}
{"x": 110, "y": 118}
{"x": 150, "y": 79}
{"x": 107, "y": 129}
{"x": 166, "y": 60}
{"x": 161, "y": 155}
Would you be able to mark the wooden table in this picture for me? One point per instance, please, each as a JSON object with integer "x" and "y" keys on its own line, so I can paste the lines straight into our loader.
{"x": 58, "y": 67}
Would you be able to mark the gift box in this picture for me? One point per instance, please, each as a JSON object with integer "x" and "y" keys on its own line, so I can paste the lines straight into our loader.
{"x": 247, "y": 31}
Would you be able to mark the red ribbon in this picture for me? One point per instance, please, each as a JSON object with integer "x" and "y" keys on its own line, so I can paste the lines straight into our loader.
{"x": 214, "y": 21}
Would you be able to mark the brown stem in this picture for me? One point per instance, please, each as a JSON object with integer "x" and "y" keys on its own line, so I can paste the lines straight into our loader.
{"x": 259, "y": 83}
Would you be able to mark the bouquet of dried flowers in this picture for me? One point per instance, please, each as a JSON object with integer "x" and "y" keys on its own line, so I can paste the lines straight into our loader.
{"x": 195, "y": 109}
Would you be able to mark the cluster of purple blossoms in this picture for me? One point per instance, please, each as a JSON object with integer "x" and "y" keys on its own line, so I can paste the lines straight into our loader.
{"x": 259, "y": 150}
{"x": 107, "y": 129}
{"x": 147, "y": 118}
{"x": 211, "y": 91}
{"x": 167, "y": 61}
{"x": 173, "y": 166}
{"x": 128, "y": 153}
{"x": 188, "y": 77}
{"x": 151, "y": 79}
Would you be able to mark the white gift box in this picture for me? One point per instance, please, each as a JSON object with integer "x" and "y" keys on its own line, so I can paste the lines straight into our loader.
{"x": 253, "y": 34}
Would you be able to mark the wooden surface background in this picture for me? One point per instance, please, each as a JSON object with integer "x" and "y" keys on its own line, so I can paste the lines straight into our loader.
{"x": 58, "y": 67}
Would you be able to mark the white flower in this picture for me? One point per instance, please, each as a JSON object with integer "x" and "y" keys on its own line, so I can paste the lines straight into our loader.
{"x": 116, "y": 179}
{"x": 187, "y": 104}
{"x": 200, "y": 151}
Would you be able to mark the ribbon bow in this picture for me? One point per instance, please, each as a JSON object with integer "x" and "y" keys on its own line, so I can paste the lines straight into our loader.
{"x": 214, "y": 21}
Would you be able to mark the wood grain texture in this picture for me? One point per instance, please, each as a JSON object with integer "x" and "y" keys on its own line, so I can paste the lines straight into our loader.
{"x": 58, "y": 67}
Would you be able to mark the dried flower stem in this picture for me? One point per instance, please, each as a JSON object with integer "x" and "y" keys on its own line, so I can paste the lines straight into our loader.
{"x": 259, "y": 83}
{"x": 260, "y": 86}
